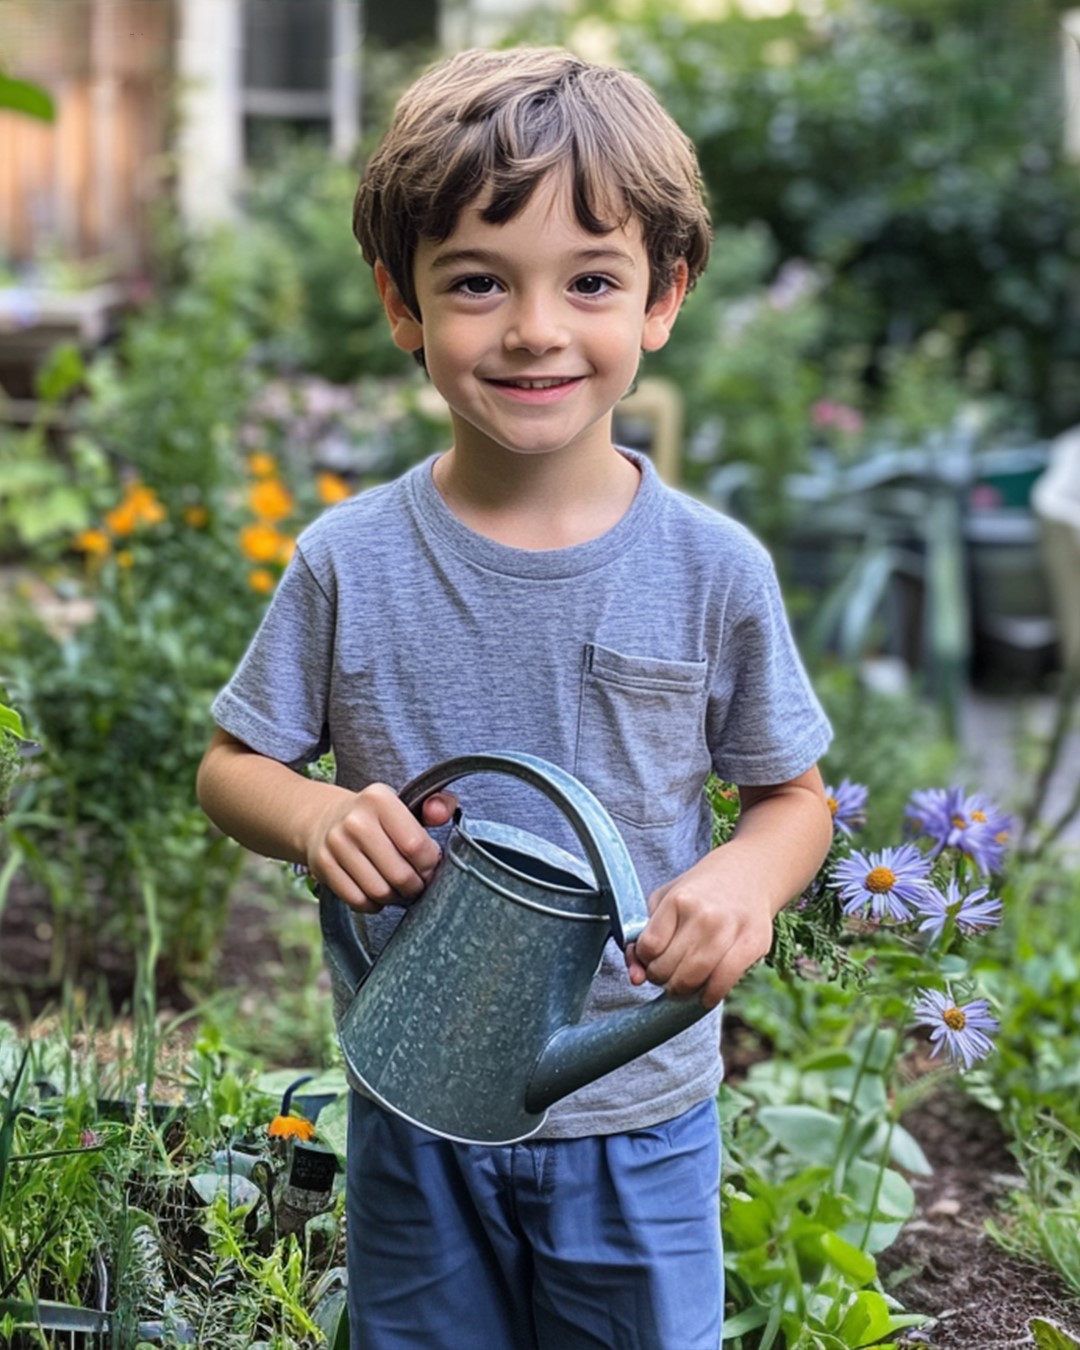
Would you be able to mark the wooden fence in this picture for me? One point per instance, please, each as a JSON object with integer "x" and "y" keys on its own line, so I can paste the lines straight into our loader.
{"x": 83, "y": 186}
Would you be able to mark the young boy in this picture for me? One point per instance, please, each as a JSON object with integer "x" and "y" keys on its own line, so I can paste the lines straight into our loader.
{"x": 534, "y": 223}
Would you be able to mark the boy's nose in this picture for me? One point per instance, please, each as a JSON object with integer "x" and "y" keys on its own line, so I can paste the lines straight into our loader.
{"x": 536, "y": 326}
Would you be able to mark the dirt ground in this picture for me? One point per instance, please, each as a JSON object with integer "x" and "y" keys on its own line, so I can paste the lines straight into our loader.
{"x": 948, "y": 1268}
{"x": 980, "y": 1297}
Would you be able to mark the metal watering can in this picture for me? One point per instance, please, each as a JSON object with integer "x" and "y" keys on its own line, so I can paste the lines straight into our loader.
{"x": 468, "y": 1024}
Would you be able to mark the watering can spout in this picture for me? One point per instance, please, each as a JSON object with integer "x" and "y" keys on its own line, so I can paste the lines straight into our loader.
{"x": 579, "y": 1053}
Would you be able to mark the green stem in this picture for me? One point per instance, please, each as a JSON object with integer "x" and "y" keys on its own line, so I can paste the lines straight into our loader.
{"x": 850, "y": 1110}
{"x": 882, "y": 1163}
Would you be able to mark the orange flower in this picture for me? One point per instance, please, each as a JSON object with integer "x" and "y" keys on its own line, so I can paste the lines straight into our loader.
{"x": 332, "y": 488}
{"x": 270, "y": 499}
{"x": 291, "y": 1127}
{"x": 287, "y": 549}
{"x": 262, "y": 543}
{"x": 196, "y": 516}
{"x": 140, "y": 506}
{"x": 123, "y": 519}
{"x": 259, "y": 579}
{"x": 262, "y": 465}
{"x": 95, "y": 542}
{"x": 144, "y": 502}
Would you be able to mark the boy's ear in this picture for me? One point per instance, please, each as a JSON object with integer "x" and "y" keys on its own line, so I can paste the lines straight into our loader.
{"x": 661, "y": 315}
{"x": 405, "y": 328}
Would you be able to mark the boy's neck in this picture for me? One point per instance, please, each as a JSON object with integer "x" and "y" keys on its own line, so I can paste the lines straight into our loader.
{"x": 540, "y": 502}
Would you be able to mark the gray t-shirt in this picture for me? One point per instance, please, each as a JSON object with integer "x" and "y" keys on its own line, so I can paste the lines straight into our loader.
{"x": 640, "y": 661}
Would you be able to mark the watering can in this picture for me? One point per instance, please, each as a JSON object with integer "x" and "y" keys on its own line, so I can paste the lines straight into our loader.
{"x": 468, "y": 1022}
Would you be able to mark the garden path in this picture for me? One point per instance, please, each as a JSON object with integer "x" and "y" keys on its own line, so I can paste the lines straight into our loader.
{"x": 1001, "y": 738}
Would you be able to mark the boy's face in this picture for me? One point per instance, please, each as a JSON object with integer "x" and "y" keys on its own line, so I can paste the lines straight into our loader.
{"x": 532, "y": 330}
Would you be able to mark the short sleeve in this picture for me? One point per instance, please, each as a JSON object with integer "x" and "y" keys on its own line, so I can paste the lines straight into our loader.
{"x": 765, "y": 723}
{"x": 276, "y": 701}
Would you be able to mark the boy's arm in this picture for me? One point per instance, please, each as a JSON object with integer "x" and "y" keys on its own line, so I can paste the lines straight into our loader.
{"x": 712, "y": 923}
{"x": 366, "y": 846}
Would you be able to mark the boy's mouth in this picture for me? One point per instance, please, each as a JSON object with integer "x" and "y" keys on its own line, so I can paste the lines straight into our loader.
{"x": 545, "y": 382}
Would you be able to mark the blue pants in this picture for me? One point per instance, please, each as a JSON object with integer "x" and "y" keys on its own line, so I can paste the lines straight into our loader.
{"x": 606, "y": 1243}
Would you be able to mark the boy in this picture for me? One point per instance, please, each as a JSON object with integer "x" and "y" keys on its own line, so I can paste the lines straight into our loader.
{"x": 534, "y": 223}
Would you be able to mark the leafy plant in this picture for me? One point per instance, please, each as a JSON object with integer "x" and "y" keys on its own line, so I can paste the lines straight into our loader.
{"x": 170, "y": 1222}
{"x": 818, "y": 1158}
{"x": 45, "y": 496}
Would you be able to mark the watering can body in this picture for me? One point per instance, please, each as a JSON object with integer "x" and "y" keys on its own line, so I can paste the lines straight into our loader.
{"x": 469, "y": 1021}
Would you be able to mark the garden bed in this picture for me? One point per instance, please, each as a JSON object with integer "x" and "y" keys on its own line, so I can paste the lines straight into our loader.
{"x": 982, "y": 1298}
{"x": 944, "y": 1264}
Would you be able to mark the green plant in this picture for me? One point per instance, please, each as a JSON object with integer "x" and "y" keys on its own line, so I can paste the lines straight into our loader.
{"x": 818, "y": 1157}
{"x": 304, "y": 203}
{"x": 45, "y": 494}
{"x": 1041, "y": 1221}
{"x": 166, "y": 1221}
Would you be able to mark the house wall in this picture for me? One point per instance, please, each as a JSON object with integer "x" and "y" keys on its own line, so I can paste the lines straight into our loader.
{"x": 83, "y": 186}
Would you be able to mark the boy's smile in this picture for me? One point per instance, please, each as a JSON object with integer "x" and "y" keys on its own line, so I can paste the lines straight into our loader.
{"x": 532, "y": 329}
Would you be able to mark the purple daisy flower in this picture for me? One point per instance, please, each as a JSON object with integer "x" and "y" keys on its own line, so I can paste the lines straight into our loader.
{"x": 848, "y": 806}
{"x": 887, "y": 883}
{"x": 964, "y": 1032}
{"x": 973, "y": 824}
{"x": 971, "y": 912}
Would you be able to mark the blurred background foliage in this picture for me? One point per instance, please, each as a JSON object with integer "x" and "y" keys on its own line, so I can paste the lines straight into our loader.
{"x": 897, "y": 253}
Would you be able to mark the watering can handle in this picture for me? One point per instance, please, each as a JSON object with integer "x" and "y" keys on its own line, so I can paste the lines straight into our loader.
{"x": 616, "y": 880}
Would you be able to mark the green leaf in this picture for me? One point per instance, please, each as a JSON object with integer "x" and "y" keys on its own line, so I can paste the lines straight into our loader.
{"x": 905, "y": 1152}
{"x": 19, "y": 96}
{"x": 807, "y": 1133}
{"x": 732, "y": 1103}
{"x": 866, "y": 1321}
{"x": 333, "y": 1126}
{"x": 239, "y": 1192}
{"x": 828, "y": 1059}
{"x": 895, "y": 1199}
{"x": 747, "y": 1320}
{"x": 62, "y": 373}
{"x": 1049, "y": 1336}
{"x": 848, "y": 1259}
{"x": 11, "y": 722}
{"x": 747, "y": 1223}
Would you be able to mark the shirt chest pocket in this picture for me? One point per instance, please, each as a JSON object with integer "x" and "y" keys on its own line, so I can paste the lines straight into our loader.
{"x": 641, "y": 734}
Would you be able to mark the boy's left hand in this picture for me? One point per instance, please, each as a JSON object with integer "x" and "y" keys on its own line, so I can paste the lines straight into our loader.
{"x": 706, "y": 929}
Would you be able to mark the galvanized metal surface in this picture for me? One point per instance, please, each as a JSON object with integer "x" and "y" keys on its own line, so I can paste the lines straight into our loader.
{"x": 468, "y": 1022}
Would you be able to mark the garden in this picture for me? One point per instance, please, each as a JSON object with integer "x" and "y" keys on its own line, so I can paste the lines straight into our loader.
{"x": 885, "y": 344}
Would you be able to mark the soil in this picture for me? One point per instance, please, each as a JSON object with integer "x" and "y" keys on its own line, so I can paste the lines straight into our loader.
{"x": 944, "y": 1264}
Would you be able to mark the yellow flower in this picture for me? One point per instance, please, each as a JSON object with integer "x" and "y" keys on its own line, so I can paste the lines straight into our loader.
{"x": 270, "y": 499}
{"x": 126, "y": 558}
{"x": 259, "y": 579}
{"x": 262, "y": 465}
{"x": 262, "y": 543}
{"x": 287, "y": 549}
{"x": 332, "y": 488}
{"x": 95, "y": 542}
{"x": 291, "y": 1127}
{"x": 196, "y": 516}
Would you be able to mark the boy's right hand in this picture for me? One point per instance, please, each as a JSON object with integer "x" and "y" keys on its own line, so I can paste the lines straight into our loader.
{"x": 371, "y": 850}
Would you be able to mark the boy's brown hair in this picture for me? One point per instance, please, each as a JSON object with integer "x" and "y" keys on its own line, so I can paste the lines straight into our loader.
{"x": 495, "y": 123}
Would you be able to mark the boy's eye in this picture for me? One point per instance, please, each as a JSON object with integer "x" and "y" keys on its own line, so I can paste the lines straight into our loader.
{"x": 477, "y": 285}
{"x": 592, "y": 285}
